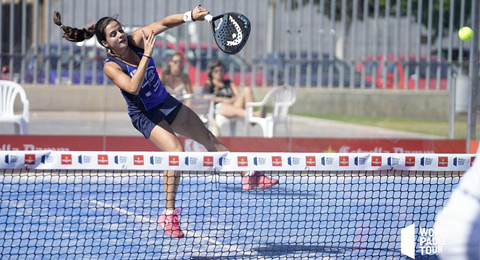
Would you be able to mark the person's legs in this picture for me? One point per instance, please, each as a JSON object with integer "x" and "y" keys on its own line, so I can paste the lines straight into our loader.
{"x": 188, "y": 124}
{"x": 164, "y": 138}
{"x": 239, "y": 105}
{"x": 245, "y": 96}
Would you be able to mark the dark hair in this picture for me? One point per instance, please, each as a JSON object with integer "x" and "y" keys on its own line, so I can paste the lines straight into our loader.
{"x": 212, "y": 66}
{"x": 79, "y": 35}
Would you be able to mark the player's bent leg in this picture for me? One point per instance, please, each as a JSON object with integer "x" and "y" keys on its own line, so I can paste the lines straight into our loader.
{"x": 188, "y": 124}
{"x": 164, "y": 138}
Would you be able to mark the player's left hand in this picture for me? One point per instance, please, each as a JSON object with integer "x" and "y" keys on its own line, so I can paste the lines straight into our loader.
{"x": 199, "y": 12}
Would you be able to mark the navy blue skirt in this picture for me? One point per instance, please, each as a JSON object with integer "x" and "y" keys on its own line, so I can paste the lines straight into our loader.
{"x": 146, "y": 121}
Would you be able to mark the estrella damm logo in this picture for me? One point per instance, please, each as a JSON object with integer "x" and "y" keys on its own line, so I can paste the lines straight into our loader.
{"x": 376, "y": 161}
{"x": 242, "y": 161}
{"x": 277, "y": 161}
{"x": 138, "y": 160}
{"x": 66, "y": 159}
{"x": 29, "y": 159}
{"x": 102, "y": 159}
{"x": 409, "y": 161}
{"x": 207, "y": 161}
{"x": 173, "y": 160}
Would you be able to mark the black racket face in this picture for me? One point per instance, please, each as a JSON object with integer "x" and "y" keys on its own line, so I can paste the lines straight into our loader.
{"x": 231, "y": 31}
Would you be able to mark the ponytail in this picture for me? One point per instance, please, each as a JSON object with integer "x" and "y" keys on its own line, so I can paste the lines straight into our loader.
{"x": 73, "y": 34}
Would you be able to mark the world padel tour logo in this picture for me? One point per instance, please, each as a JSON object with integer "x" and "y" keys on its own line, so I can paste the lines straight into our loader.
{"x": 457, "y": 161}
{"x": 84, "y": 159}
{"x": 358, "y": 161}
{"x": 292, "y": 161}
{"x": 224, "y": 160}
{"x": 120, "y": 159}
{"x": 426, "y": 161}
{"x": 155, "y": 160}
{"x": 430, "y": 241}
{"x": 327, "y": 161}
{"x": 47, "y": 158}
{"x": 190, "y": 160}
{"x": 11, "y": 158}
{"x": 259, "y": 161}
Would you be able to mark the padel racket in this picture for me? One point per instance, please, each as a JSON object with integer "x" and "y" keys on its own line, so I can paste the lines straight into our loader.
{"x": 230, "y": 30}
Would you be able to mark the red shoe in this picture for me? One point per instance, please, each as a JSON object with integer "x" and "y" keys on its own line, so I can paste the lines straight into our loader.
{"x": 257, "y": 180}
{"x": 170, "y": 224}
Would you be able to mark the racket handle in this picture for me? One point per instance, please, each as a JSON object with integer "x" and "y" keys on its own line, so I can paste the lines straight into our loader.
{"x": 209, "y": 18}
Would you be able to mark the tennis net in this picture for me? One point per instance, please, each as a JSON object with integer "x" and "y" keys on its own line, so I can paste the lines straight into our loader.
{"x": 106, "y": 205}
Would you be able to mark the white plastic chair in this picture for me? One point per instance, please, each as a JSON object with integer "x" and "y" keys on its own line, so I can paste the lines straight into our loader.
{"x": 202, "y": 105}
{"x": 231, "y": 121}
{"x": 281, "y": 99}
{"x": 8, "y": 93}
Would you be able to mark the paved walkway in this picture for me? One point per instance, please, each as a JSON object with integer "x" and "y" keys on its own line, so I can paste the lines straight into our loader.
{"x": 118, "y": 123}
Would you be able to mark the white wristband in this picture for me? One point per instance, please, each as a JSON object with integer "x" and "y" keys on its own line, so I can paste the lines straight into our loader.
{"x": 188, "y": 17}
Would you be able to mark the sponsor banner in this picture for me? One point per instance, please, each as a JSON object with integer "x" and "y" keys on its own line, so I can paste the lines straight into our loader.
{"x": 232, "y": 161}
{"x": 237, "y": 144}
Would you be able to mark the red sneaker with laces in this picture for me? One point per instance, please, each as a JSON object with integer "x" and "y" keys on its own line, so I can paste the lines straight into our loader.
{"x": 170, "y": 224}
{"x": 257, "y": 180}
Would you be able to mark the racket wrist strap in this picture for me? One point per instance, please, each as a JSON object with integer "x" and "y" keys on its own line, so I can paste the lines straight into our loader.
{"x": 188, "y": 17}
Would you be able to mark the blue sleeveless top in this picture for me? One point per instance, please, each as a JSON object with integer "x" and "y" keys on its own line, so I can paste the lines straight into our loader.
{"x": 152, "y": 93}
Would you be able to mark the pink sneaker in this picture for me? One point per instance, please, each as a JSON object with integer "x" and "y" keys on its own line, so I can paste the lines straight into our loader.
{"x": 257, "y": 180}
{"x": 170, "y": 224}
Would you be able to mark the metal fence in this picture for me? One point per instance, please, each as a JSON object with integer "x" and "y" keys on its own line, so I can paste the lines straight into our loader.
{"x": 408, "y": 44}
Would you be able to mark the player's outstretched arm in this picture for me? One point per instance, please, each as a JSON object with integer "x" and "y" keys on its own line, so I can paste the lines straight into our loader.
{"x": 197, "y": 14}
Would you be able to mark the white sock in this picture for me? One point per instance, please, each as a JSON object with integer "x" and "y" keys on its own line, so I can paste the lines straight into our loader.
{"x": 169, "y": 212}
{"x": 250, "y": 173}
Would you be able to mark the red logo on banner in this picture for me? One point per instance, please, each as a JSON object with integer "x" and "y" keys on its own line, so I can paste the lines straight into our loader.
{"x": 472, "y": 160}
{"x": 29, "y": 159}
{"x": 242, "y": 161}
{"x": 173, "y": 160}
{"x": 409, "y": 161}
{"x": 102, "y": 159}
{"x": 343, "y": 161}
{"x": 66, "y": 159}
{"x": 208, "y": 161}
{"x": 138, "y": 160}
{"x": 277, "y": 161}
{"x": 311, "y": 161}
{"x": 376, "y": 160}
{"x": 443, "y": 161}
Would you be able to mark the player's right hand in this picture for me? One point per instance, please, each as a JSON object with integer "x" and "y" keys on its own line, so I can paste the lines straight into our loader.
{"x": 199, "y": 12}
{"x": 149, "y": 40}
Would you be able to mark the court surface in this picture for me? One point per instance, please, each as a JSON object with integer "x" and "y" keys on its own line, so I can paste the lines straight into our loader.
{"x": 113, "y": 216}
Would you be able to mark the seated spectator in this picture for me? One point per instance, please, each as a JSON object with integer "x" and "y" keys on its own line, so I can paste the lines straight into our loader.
{"x": 229, "y": 100}
{"x": 176, "y": 82}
